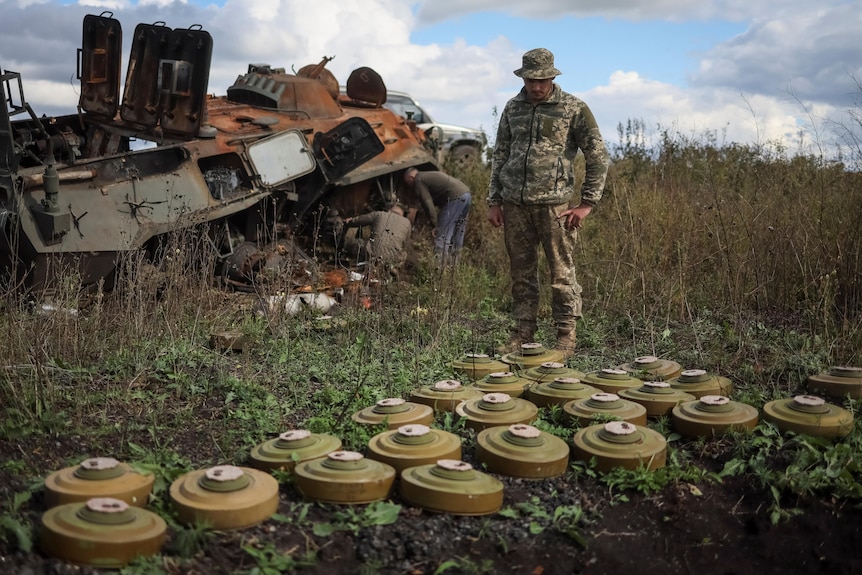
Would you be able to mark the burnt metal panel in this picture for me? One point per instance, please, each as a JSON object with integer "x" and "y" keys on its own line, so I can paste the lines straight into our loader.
{"x": 9, "y": 155}
{"x": 184, "y": 72}
{"x": 282, "y": 157}
{"x": 346, "y": 147}
{"x": 99, "y": 63}
{"x": 141, "y": 94}
{"x": 257, "y": 88}
{"x": 305, "y": 98}
{"x": 366, "y": 85}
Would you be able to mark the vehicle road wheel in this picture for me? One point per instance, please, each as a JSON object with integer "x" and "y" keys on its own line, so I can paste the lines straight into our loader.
{"x": 465, "y": 155}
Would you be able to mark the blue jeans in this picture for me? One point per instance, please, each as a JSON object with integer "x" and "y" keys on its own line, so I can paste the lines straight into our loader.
{"x": 451, "y": 227}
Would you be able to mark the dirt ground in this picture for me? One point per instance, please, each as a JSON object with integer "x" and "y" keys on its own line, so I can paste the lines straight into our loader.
{"x": 708, "y": 528}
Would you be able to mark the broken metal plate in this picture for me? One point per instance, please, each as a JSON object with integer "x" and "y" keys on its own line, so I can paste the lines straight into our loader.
{"x": 281, "y": 158}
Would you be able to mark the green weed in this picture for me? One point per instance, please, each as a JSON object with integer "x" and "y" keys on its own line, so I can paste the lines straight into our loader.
{"x": 147, "y": 565}
{"x": 352, "y": 519}
{"x": 166, "y": 465}
{"x": 798, "y": 466}
{"x": 466, "y": 566}
{"x": 566, "y": 519}
{"x": 554, "y": 420}
{"x": 190, "y": 540}
{"x": 271, "y": 561}
{"x": 448, "y": 421}
{"x": 298, "y": 516}
{"x": 13, "y": 525}
{"x": 642, "y": 479}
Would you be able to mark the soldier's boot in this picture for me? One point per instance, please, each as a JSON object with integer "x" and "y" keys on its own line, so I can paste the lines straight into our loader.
{"x": 566, "y": 341}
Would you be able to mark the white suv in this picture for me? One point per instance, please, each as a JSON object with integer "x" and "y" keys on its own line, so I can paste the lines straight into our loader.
{"x": 464, "y": 145}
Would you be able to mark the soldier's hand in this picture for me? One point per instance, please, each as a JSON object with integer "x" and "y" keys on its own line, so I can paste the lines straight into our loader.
{"x": 575, "y": 216}
{"x": 495, "y": 216}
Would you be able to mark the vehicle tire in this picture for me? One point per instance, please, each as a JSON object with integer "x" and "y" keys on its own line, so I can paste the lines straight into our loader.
{"x": 465, "y": 155}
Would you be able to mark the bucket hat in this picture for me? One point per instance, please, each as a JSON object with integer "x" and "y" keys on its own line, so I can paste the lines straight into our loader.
{"x": 537, "y": 64}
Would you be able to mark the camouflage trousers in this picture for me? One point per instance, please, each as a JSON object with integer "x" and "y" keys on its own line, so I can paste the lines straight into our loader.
{"x": 526, "y": 228}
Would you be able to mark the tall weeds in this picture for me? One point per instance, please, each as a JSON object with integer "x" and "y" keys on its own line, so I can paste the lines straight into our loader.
{"x": 735, "y": 229}
{"x": 691, "y": 224}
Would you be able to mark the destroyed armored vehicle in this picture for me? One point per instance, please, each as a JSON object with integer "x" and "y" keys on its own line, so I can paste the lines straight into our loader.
{"x": 272, "y": 158}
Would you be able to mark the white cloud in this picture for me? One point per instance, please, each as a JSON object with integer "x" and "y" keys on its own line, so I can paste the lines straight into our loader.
{"x": 105, "y": 4}
{"x": 432, "y": 11}
{"x": 722, "y": 115}
{"x": 810, "y": 53}
{"x": 51, "y": 94}
{"x": 741, "y": 88}
{"x": 160, "y": 3}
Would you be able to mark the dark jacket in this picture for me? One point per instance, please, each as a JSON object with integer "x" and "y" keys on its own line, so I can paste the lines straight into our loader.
{"x": 435, "y": 189}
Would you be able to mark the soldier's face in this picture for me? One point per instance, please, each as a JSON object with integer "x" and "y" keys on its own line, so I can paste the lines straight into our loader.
{"x": 538, "y": 90}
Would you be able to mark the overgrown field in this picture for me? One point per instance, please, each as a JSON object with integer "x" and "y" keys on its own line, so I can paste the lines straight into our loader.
{"x": 724, "y": 258}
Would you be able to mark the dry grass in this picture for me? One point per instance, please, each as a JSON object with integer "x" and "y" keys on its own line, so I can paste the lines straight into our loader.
{"x": 743, "y": 232}
{"x": 734, "y": 231}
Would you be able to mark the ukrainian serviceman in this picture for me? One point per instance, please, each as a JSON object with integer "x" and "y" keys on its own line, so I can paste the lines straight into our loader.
{"x": 452, "y": 197}
{"x": 390, "y": 232}
{"x": 532, "y": 191}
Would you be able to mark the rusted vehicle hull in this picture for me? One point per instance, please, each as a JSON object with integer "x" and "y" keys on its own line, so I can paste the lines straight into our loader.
{"x": 272, "y": 157}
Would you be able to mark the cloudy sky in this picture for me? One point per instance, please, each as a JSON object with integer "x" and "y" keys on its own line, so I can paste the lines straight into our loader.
{"x": 747, "y": 71}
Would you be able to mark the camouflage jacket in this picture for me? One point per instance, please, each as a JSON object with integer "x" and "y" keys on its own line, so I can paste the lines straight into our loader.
{"x": 389, "y": 235}
{"x": 535, "y": 150}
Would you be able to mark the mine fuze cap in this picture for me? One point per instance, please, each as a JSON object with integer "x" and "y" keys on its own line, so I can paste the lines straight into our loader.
{"x": 537, "y": 64}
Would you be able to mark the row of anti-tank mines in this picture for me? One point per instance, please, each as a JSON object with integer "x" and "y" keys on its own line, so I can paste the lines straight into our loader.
{"x": 96, "y": 514}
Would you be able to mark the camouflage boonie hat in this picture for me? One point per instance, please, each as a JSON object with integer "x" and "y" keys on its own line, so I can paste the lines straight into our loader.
{"x": 537, "y": 64}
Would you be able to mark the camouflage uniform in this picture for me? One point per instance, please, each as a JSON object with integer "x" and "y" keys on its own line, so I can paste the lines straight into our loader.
{"x": 389, "y": 235}
{"x": 532, "y": 179}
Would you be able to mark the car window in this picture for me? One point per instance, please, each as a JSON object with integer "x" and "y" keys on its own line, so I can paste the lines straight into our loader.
{"x": 401, "y": 106}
